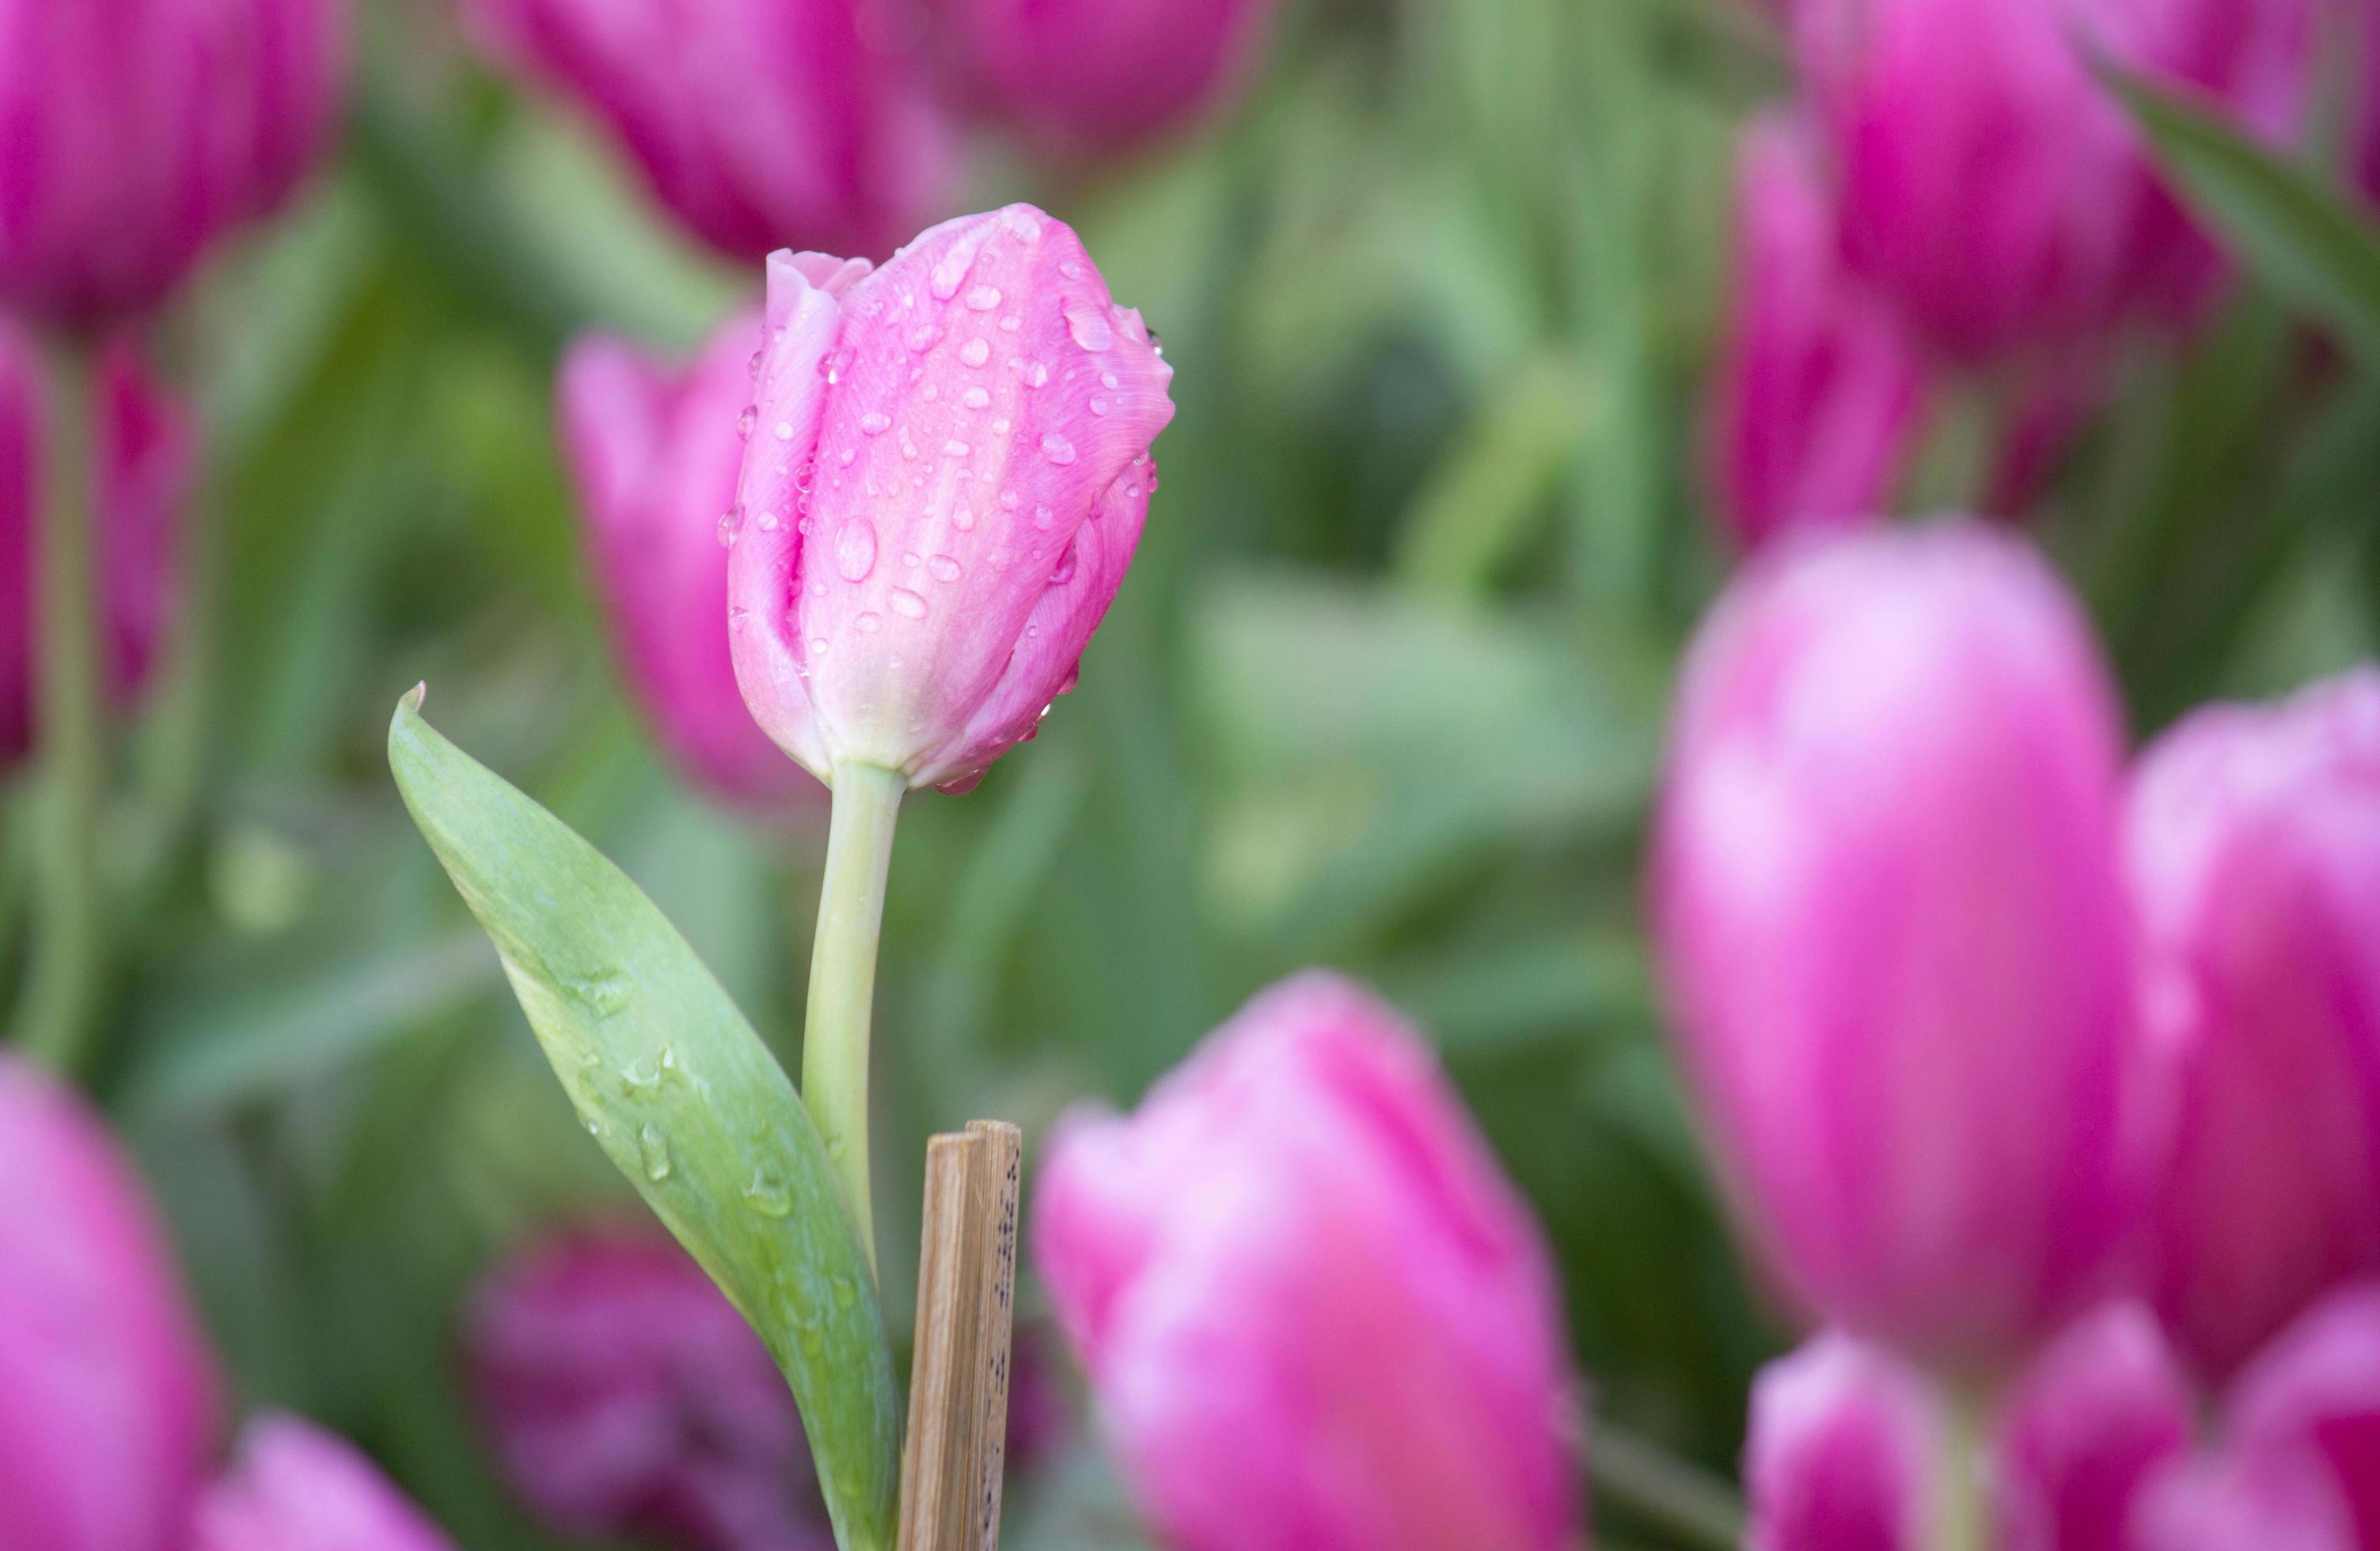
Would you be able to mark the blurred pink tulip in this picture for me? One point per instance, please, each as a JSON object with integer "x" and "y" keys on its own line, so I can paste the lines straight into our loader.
{"x": 146, "y": 466}
{"x": 653, "y": 450}
{"x": 2312, "y": 1396}
{"x": 1839, "y": 1451}
{"x": 2217, "y": 1504}
{"x": 1099, "y": 77}
{"x": 295, "y": 1488}
{"x": 1886, "y": 891}
{"x": 1991, "y": 184}
{"x": 761, "y": 123}
{"x": 2254, "y": 851}
{"x": 138, "y": 131}
{"x": 948, "y": 474}
{"x": 108, "y": 1413}
{"x": 1821, "y": 395}
{"x": 624, "y": 1395}
{"x": 2095, "y": 1417}
{"x": 1315, "y": 1315}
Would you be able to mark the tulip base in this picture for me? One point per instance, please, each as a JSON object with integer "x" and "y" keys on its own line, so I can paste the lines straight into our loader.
{"x": 843, "y": 977}
{"x": 1958, "y": 1513}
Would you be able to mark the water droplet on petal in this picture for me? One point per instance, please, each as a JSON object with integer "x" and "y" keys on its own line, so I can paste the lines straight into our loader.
{"x": 1090, "y": 330}
{"x": 1011, "y": 323}
{"x": 907, "y": 604}
{"x": 731, "y": 527}
{"x": 983, "y": 299}
{"x": 747, "y": 420}
{"x": 976, "y": 398}
{"x": 955, "y": 448}
{"x": 1036, "y": 374}
{"x": 1057, "y": 449}
{"x": 1109, "y": 379}
{"x": 768, "y": 521}
{"x": 1073, "y": 676}
{"x": 875, "y": 422}
{"x": 1099, "y": 406}
{"x": 945, "y": 568}
{"x": 1063, "y": 572}
{"x": 1008, "y": 501}
{"x": 785, "y": 430}
{"x": 752, "y": 366}
{"x": 869, "y": 623}
{"x": 974, "y": 352}
{"x": 855, "y": 549}
{"x": 1044, "y": 519}
{"x": 1021, "y": 226}
{"x": 952, "y": 268}
{"x": 925, "y": 336}
{"x": 767, "y": 1195}
{"x": 655, "y": 1147}
{"x": 963, "y": 518}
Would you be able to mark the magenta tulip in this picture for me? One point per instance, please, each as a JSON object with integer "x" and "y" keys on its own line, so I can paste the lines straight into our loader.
{"x": 2095, "y": 1419}
{"x": 2224, "y": 1504}
{"x": 295, "y": 1488}
{"x": 146, "y": 461}
{"x": 1315, "y": 1314}
{"x": 948, "y": 474}
{"x": 1991, "y": 184}
{"x": 623, "y": 1395}
{"x": 2254, "y": 851}
{"x": 1821, "y": 394}
{"x": 2312, "y": 1396}
{"x": 1099, "y": 77}
{"x": 108, "y": 1414}
{"x": 1886, "y": 891}
{"x": 653, "y": 450}
{"x": 1840, "y": 1451}
{"x": 139, "y": 131}
{"x": 760, "y": 124}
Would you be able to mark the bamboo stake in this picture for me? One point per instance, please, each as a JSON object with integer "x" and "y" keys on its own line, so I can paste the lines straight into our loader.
{"x": 951, "y": 1464}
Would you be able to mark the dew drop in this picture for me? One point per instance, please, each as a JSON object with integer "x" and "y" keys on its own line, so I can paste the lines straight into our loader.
{"x": 747, "y": 420}
{"x": 946, "y": 568}
{"x": 785, "y": 430}
{"x": 974, "y": 352}
{"x": 1021, "y": 226}
{"x": 1109, "y": 380}
{"x": 1073, "y": 676}
{"x": 907, "y": 604}
{"x": 846, "y": 455}
{"x": 875, "y": 422}
{"x": 855, "y": 549}
{"x": 976, "y": 398}
{"x": 730, "y": 525}
{"x": 925, "y": 338}
{"x": 654, "y": 1147}
{"x": 929, "y": 392}
{"x": 752, "y": 366}
{"x": 1008, "y": 501}
{"x": 1011, "y": 323}
{"x": 1071, "y": 270}
{"x": 1044, "y": 519}
{"x": 955, "y": 448}
{"x": 1057, "y": 449}
{"x": 963, "y": 518}
{"x": 1036, "y": 374}
{"x": 1090, "y": 330}
{"x": 869, "y": 623}
{"x": 768, "y": 1196}
{"x": 1099, "y": 406}
{"x": 768, "y": 521}
{"x": 1001, "y": 426}
{"x": 983, "y": 299}
{"x": 818, "y": 646}
{"x": 1063, "y": 572}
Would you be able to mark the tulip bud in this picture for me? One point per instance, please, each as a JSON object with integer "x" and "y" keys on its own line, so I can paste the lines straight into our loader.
{"x": 1099, "y": 77}
{"x": 146, "y": 464}
{"x": 108, "y": 1414}
{"x": 947, "y": 477}
{"x": 2253, "y": 843}
{"x": 1821, "y": 395}
{"x": 1839, "y": 1451}
{"x": 2313, "y": 1397}
{"x": 2093, "y": 1420}
{"x": 2224, "y": 1504}
{"x": 139, "y": 132}
{"x": 1313, "y": 1311}
{"x": 760, "y": 124}
{"x": 297, "y": 1489}
{"x": 624, "y": 1396}
{"x": 1993, "y": 186}
{"x": 654, "y": 450}
{"x": 1885, "y": 891}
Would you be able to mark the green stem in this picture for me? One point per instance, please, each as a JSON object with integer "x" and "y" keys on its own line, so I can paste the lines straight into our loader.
{"x": 843, "y": 977}
{"x": 1667, "y": 1493}
{"x": 61, "y": 993}
{"x": 1960, "y": 1512}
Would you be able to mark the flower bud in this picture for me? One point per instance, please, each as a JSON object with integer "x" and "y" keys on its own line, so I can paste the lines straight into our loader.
{"x": 1821, "y": 395}
{"x": 654, "y": 448}
{"x": 1993, "y": 186}
{"x": 108, "y": 1414}
{"x": 139, "y": 132}
{"x": 2313, "y": 1396}
{"x": 295, "y": 1488}
{"x": 624, "y": 1396}
{"x": 947, "y": 476}
{"x": 760, "y": 124}
{"x": 2253, "y": 843}
{"x": 1839, "y": 1451}
{"x": 146, "y": 463}
{"x": 1885, "y": 891}
{"x": 1313, "y": 1311}
{"x": 1099, "y": 77}
{"x": 2093, "y": 1420}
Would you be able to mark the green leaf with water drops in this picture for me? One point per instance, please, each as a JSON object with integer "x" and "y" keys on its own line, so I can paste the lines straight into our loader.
{"x": 685, "y": 1098}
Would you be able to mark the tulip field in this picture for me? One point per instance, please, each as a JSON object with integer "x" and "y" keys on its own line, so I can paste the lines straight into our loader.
{"x": 1642, "y": 737}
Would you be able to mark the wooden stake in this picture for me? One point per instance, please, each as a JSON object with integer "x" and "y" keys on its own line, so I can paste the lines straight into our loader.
{"x": 951, "y": 1463}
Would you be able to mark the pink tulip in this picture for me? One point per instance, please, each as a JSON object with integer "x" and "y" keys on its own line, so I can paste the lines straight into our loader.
{"x": 2313, "y": 1397}
{"x": 654, "y": 452}
{"x": 2254, "y": 851}
{"x": 1821, "y": 395}
{"x": 624, "y": 1395}
{"x": 948, "y": 473}
{"x": 108, "y": 1414}
{"x": 1886, "y": 891}
{"x": 146, "y": 465}
{"x": 1840, "y": 1451}
{"x": 760, "y": 124}
{"x": 2095, "y": 1419}
{"x": 1313, "y": 1313}
{"x": 1993, "y": 186}
{"x": 295, "y": 1488}
{"x": 1099, "y": 77}
{"x": 138, "y": 131}
{"x": 2222, "y": 1505}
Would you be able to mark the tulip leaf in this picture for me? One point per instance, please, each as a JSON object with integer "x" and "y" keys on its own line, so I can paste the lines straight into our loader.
{"x": 2297, "y": 231}
{"x": 685, "y": 1098}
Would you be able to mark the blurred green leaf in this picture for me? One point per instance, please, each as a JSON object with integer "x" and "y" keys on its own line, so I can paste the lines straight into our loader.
{"x": 685, "y": 1098}
{"x": 2296, "y": 230}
